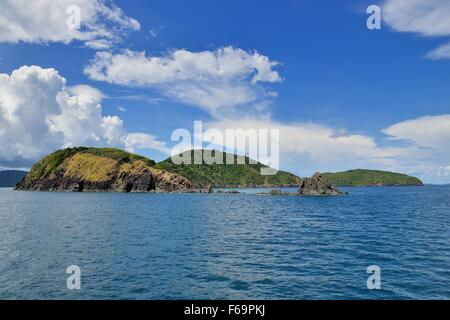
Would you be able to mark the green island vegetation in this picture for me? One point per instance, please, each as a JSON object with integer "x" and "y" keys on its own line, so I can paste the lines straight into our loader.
{"x": 50, "y": 163}
{"x": 228, "y": 175}
{"x": 100, "y": 170}
{"x": 363, "y": 177}
{"x": 99, "y": 164}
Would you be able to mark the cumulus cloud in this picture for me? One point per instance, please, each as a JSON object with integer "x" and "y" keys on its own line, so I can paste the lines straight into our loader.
{"x": 424, "y": 17}
{"x": 87, "y": 92}
{"x": 135, "y": 141}
{"x": 101, "y": 22}
{"x": 216, "y": 81}
{"x": 428, "y": 132}
{"x": 39, "y": 114}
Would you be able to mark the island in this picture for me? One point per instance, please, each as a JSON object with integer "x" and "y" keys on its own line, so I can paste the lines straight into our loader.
{"x": 101, "y": 170}
{"x": 365, "y": 178}
{"x": 317, "y": 185}
{"x": 114, "y": 170}
{"x": 225, "y": 175}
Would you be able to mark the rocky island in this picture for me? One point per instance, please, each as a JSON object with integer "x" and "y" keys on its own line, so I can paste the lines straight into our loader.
{"x": 101, "y": 170}
{"x": 317, "y": 185}
{"x": 113, "y": 170}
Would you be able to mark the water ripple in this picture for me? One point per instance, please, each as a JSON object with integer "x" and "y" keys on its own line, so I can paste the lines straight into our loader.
{"x": 166, "y": 246}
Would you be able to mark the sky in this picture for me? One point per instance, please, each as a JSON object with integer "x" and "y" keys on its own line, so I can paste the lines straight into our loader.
{"x": 342, "y": 96}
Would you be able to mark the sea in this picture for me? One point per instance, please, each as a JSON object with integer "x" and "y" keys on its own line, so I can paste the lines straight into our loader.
{"x": 226, "y": 246}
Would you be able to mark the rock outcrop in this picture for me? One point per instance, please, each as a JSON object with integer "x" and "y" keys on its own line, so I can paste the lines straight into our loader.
{"x": 314, "y": 186}
{"x": 228, "y": 191}
{"x": 317, "y": 185}
{"x": 95, "y": 170}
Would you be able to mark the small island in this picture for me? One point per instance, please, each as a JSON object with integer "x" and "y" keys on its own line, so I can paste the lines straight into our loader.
{"x": 100, "y": 170}
{"x": 370, "y": 178}
{"x": 317, "y": 185}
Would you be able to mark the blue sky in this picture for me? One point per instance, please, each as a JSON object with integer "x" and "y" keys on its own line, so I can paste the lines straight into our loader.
{"x": 334, "y": 77}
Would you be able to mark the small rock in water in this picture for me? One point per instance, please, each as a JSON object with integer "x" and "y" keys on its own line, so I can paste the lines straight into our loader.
{"x": 276, "y": 193}
{"x": 317, "y": 185}
{"x": 228, "y": 191}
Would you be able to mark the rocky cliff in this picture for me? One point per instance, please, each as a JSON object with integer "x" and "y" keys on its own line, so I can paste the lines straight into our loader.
{"x": 101, "y": 170}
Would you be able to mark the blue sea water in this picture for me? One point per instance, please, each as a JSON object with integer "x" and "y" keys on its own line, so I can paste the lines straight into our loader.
{"x": 226, "y": 246}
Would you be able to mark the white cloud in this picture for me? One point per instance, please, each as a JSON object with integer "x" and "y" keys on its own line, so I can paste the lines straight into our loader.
{"x": 424, "y": 17}
{"x": 144, "y": 141}
{"x": 39, "y": 114}
{"x": 101, "y": 25}
{"x": 82, "y": 122}
{"x": 442, "y": 52}
{"x": 315, "y": 146}
{"x": 87, "y": 92}
{"x": 142, "y": 98}
{"x": 428, "y": 132}
{"x": 155, "y": 31}
{"x": 216, "y": 81}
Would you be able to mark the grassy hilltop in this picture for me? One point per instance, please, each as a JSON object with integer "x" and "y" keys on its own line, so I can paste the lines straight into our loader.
{"x": 100, "y": 170}
{"x": 362, "y": 177}
{"x": 49, "y": 164}
{"x": 229, "y": 175}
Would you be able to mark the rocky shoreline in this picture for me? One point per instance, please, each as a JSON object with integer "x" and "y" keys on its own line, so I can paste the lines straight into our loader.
{"x": 141, "y": 179}
{"x": 314, "y": 186}
{"x": 100, "y": 170}
{"x": 112, "y": 170}
{"x": 84, "y": 169}
{"x": 146, "y": 182}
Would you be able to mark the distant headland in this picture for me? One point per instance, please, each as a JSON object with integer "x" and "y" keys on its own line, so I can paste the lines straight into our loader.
{"x": 9, "y": 178}
{"x": 370, "y": 178}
